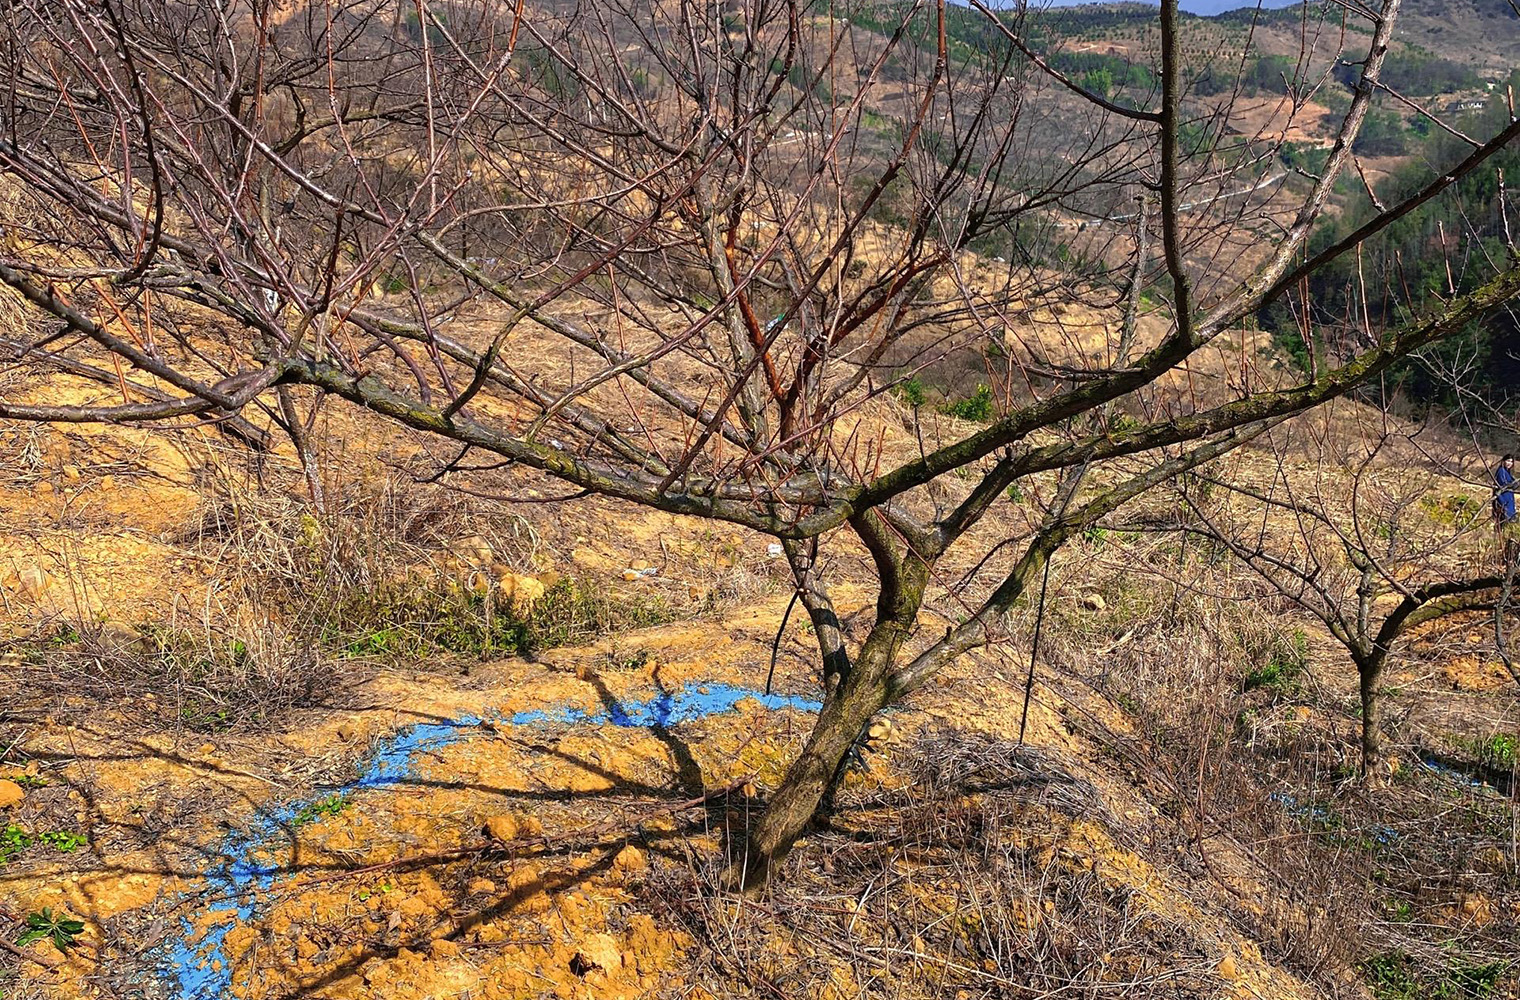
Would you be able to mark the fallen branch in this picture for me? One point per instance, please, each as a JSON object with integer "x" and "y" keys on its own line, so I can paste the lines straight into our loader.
{"x": 46, "y": 963}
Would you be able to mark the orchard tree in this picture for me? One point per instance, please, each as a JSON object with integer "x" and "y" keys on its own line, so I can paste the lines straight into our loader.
{"x": 1362, "y": 529}
{"x": 744, "y": 222}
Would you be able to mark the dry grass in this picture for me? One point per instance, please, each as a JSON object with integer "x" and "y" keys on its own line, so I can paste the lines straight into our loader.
{"x": 1242, "y": 727}
{"x": 956, "y": 886}
{"x": 300, "y": 602}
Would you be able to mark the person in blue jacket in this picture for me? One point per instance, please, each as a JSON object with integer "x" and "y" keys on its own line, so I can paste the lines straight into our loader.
{"x": 1504, "y": 499}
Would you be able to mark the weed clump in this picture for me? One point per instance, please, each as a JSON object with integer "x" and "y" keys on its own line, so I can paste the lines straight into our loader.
{"x": 1395, "y": 975}
{"x": 306, "y": 598}
{"x": 413, "y": 619}
{"x": 977, "y": 407}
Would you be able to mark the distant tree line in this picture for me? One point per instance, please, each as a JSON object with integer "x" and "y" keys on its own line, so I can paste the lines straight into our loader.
{"x": 1438, "y": 250}
{"x": 1413, "y": 72}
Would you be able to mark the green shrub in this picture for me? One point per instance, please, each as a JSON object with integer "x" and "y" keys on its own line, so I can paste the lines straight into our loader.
{"x": 977, "y": 407}
{"x": 911, "y": 392}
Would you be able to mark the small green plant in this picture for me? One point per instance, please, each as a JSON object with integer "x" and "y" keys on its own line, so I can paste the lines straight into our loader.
{"x": 28, "y": 780}
{"x": 63, "y": 840}
{"x": 59, "y": 928}
{"x": 911, "y": 392}
{"x": 378, "y": 889}
{"x": 1121, "y": 422}
{"x": 1015, "y": 493}
{"x": 977, "y": 407}
{"x": 1498, "y": 752}
{"x": 13, "y": 840}
{"x": 313, "y": 811}
{"x": 1286, "y": 658}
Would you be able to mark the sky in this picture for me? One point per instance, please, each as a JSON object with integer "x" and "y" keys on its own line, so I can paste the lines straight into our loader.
{"x": 1201, "y": 7}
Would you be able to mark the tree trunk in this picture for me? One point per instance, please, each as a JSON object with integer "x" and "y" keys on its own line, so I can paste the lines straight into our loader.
{"x": 862, "y": 690}
{"x": 844, "y": 716}
{"x": 1370, "y": 673}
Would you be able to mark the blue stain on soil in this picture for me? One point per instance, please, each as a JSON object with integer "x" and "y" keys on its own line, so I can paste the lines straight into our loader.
{"x": 248, "y": 862}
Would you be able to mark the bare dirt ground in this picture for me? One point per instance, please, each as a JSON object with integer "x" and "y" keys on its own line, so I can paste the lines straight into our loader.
{"x": 427, "y": 822}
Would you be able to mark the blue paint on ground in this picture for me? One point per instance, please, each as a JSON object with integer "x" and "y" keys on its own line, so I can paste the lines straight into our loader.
{"x": 197, "y": 965}
{"x": 1432, "y": 763}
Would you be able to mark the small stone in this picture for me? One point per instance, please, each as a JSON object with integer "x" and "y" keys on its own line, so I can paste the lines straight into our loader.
{"x": 520, "y": 591}
{"x": 880, "y": 730}
{"x": 1093, "y": 602}
{"x": 503, "y": 828}
{"x": 43, "y": 488}
{"x": 631, "y": 575}
{"x": 11, "y": 794}
{"x": 549, "y": 579}
{"x": 71, "y": 472}
{"x": 1226, "y": 967}
{"x": 443, "y": 948}
{"x": 630, "y": 859}
{"x": 348, "y": 732}
{"x": 208, "y": 748}
{"x": 107, "y": 481}
{"x": 598, "y": 951}
{"x": 482, "y": 887}
{"x": 32, "y": 580}
{"x": 638, "y": 564}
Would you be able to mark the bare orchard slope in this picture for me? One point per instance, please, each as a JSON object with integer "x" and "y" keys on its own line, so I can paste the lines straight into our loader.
{"x": 336, "y": 908}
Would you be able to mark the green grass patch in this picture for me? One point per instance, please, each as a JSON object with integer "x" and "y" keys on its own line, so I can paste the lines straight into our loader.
{"x": 1395, "y": 975}
{"x": 1284, "y": 661}
{"x": 413, "y": 621}
{"x": 1497, "y": 751}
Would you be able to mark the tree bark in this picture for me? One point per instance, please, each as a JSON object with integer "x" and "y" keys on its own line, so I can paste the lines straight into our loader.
{"x": 863, "y": 690}
{"x": 1370, "y": 674}
{"x": 844, "y": 716}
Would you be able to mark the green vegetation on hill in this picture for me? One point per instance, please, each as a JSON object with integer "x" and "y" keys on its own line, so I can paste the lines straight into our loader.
{"x": 1415, "y": 261}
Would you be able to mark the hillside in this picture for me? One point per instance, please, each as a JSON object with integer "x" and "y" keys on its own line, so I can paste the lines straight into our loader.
{"x": 628, "y": 498}
{"x": 382, "y": 805}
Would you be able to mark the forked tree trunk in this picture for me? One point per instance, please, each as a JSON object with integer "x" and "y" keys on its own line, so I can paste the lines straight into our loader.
{"x": 844, "y": 716}
{"x": 863, "y": 691}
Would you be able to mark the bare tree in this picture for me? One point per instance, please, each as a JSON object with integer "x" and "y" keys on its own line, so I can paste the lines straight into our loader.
{"x": 1366, "y": 536}
{"x": 254, "y": 210}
